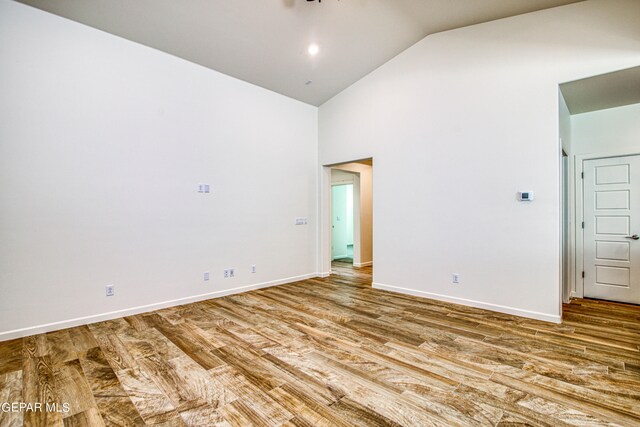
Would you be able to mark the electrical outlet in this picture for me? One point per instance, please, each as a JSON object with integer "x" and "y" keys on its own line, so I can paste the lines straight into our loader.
{"x": 206, "y": 275}
{"x": 253, "y": 268}
{"x": 232, "y": 272}
{"x": 455, "y": 278}
{"x": 226, "y": 274}
{"x": 109, "y": 290}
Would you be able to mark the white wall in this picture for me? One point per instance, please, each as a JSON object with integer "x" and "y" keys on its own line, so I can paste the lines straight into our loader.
{"x": 102, "y": 144}
{"x": 463, "y": 120}
{"x": 615, "y": 130}
{"x": 565, "y": 124}
{"x": 341, "y": 177}
{"x": 566, "y": 191}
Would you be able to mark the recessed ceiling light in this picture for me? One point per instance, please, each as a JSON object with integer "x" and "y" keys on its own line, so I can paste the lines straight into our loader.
{"x": 313, "y": 49}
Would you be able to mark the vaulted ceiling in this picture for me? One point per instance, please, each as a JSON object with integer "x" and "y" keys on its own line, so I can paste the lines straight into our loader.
{"x": 265, "y": 42}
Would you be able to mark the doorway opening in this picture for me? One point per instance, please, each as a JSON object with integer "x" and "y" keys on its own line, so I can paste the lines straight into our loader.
{"x": 342, "y": 211}
{"x": 601, "y": 177}
{"x": 347, "y": 213}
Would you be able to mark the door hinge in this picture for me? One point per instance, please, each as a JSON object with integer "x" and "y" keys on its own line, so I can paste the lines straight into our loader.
{"x": 583, "y": 274}
{"x": 582, "y": 175}
{"x": 582, "y": 224}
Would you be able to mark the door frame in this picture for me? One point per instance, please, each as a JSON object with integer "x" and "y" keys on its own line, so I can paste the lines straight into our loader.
{"x": 565, "y": 227}
{"x": 324, "y": 213}
{"x": 577, "y": 255}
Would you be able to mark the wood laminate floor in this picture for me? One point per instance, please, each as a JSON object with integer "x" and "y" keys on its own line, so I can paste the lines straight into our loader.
{"x": 332, "y": 352}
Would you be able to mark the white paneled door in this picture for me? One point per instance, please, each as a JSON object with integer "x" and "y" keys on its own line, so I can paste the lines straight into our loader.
{"x": 611, "y": 229}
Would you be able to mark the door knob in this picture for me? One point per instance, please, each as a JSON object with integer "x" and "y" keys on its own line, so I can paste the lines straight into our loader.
{"x": 634, "y": 237}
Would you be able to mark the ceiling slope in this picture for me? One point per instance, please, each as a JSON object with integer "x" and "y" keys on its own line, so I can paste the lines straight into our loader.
{"x": 265, "y": 42}
{"x": 601, "y": 92}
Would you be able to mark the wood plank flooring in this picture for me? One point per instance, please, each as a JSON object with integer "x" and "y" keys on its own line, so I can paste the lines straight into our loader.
{"x": 332, "y": 352}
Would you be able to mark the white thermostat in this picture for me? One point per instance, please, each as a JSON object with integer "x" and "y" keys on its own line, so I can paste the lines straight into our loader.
{"x": 525, "y": 196}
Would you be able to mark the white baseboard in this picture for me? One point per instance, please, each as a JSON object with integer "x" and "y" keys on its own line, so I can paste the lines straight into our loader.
{"x": 477, "y": 304}
{"x": 54, "y": 326}
{"x": 363, "y": 264}
{"x": 327, "y": 274}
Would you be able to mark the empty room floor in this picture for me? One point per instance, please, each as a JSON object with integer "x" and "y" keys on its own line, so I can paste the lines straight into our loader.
{"x": 332, "y": 352}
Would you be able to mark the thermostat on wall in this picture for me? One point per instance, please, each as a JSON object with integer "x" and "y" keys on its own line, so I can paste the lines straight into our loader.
{"x": 525, "y": 196}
